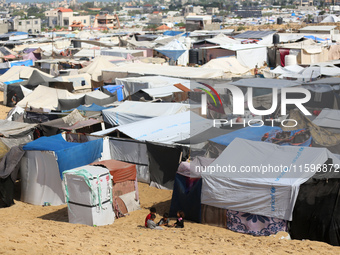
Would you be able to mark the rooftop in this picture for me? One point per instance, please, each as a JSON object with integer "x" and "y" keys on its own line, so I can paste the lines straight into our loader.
{"x": 317, "y": 28}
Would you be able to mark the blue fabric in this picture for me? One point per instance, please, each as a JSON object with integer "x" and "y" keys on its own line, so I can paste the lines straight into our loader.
{"x": 172, "y": 54}
{"x": 314, "y": 38}
{"x": 4, "y": 70}
{"x": 69, "y": 155}
{"x": 173, "y": 33}
{"x": 249, "y": 133}
{"x": 92, "y": 107}
{"x": 18, "y": 33}
{"x": 186, "y": 198}
{"x": 10, "y": 82}
{"x": 114, "y": 88}
{"x": 22, "y": 63}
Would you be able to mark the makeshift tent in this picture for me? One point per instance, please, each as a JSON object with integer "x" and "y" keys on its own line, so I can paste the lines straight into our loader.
{"x": 32, "y": 56}
{"x": 74, "y": 122}
{"x": 186, "y": 195}
{"x": 132, "y": 85}
{"x": 99, "y": 98}
{"x": 96, "y": 67}
{"x": 163, "y": 27}
{"x": 173, "y": 50}
{"x": 13, "y": 129}
{"x": 328, "y": 118}
{"x": 124, "y": 185}
{"x": 153, "y": 69}
{"x": 330, "y": 19}
{"x": 163, "y": 163}
{"x": 229, "y": 65}
{"x": 89, "y": 196}
{"x": 252, "y": 191}
{"x": 45, "y": 97}
{"x": 130, "y": 112}
{"x": 25, "y": 62}
{"x": 48, "y": 157}
{"x": 80, "y": 81}
{"x": 114, "y": 89}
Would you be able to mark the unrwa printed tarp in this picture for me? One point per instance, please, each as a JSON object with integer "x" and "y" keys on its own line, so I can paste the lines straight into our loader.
{"x": 130, "y": 111}
{"x": 264, "y": 193}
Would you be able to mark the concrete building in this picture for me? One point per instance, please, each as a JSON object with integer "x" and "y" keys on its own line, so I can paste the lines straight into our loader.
{"x": 64, "y": 16}
{"x": 212, "y": 10}
{"x": 30, "y": 26}
{"x": 104, "y": 20}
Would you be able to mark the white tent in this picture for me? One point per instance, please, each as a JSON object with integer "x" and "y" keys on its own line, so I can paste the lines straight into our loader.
{"x": 251, "y": 187}
{"x": 228, "y": 65}
{"x": 164, "y": 129}
{"x": 45, "y": 97}
{"x": 131, "y": 111}
{"x": 20, "y": 72}
{"x": 80, "y": 81}
{"x": 328, "y": 118}
{"x": 96, "y": 67}
{"x": 134, "y": 84}
{"x": 330, "y": 19}
{"x": 176, "y": 51}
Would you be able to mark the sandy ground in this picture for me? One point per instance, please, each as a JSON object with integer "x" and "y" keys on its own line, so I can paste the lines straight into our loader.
{"x": 31, "y": 229}
{"x": 3, "y": 109}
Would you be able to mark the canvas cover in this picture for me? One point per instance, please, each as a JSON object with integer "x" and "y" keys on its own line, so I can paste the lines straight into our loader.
{"x": 99, "y": 98}
{"x": 13, "y": 129}
{"x": 267, "y": 194}
{"x": 130, "y": 111}
{"x": 79, "y": 81}
{"x": 45, "y": 97}
{"x": 96, "y": 67}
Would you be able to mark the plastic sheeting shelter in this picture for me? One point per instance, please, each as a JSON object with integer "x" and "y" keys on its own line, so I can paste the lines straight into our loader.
{"x": 130, "y": 112}
{"x": 163, "y": 129}
{"x": 172, "y": 50}
{"x": 328, "y": 118}
{"x": 48, "y": 157}
{"x": 270, "y": 194}
{"x": 228, "y": 64}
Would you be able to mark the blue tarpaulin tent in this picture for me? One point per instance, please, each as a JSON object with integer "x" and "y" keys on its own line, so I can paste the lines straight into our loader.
{"x": 314, "y": 38}
{"x": 92, "y": 107}
{"x": 115, "y": 88}
{"x": 22, "y": 63}
{"x": 173, "y": 33}
{"x": 172, "y": 50}
{"x": 69, "y": 155}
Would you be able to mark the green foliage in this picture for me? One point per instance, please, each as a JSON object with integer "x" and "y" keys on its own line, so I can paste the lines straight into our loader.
{"x": 240, "y": 28}
{"x": 181, "y": 24}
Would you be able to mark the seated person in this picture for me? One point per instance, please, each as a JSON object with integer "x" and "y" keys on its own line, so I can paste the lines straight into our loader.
{"x": 164, "y": 221}
{"x": 152, "y": 224}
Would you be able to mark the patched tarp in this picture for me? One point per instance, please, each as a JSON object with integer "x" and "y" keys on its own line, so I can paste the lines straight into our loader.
{"x": 69, "y": 154}
{"x": 172, "y": 50}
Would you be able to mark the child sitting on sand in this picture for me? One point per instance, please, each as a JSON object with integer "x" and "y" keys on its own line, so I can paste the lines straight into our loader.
{"x": 180, "y": 221}
{"x": 164, "y": 221}
{"x": 152, "y": 224}
{"x": 152, "y": 211}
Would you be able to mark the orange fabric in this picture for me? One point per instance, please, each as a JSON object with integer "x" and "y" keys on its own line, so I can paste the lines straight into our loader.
{"x": 119, "y": 170}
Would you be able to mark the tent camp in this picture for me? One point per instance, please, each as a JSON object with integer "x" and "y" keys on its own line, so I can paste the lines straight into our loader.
{"x": 254, "y": 195}
{"x": 47, "y": 158}
{"x": 79, "y": 81}
{"x": 96, "y": 67}
{"x": 130, "y": 112}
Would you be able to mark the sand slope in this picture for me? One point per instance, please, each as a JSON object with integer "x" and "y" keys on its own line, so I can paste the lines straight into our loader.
{"x": 29, "y": 229}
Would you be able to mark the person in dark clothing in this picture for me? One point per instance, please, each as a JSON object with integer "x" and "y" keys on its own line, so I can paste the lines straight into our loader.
{"x": 180, "y": 220}
{"x": 164, "y": 221}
